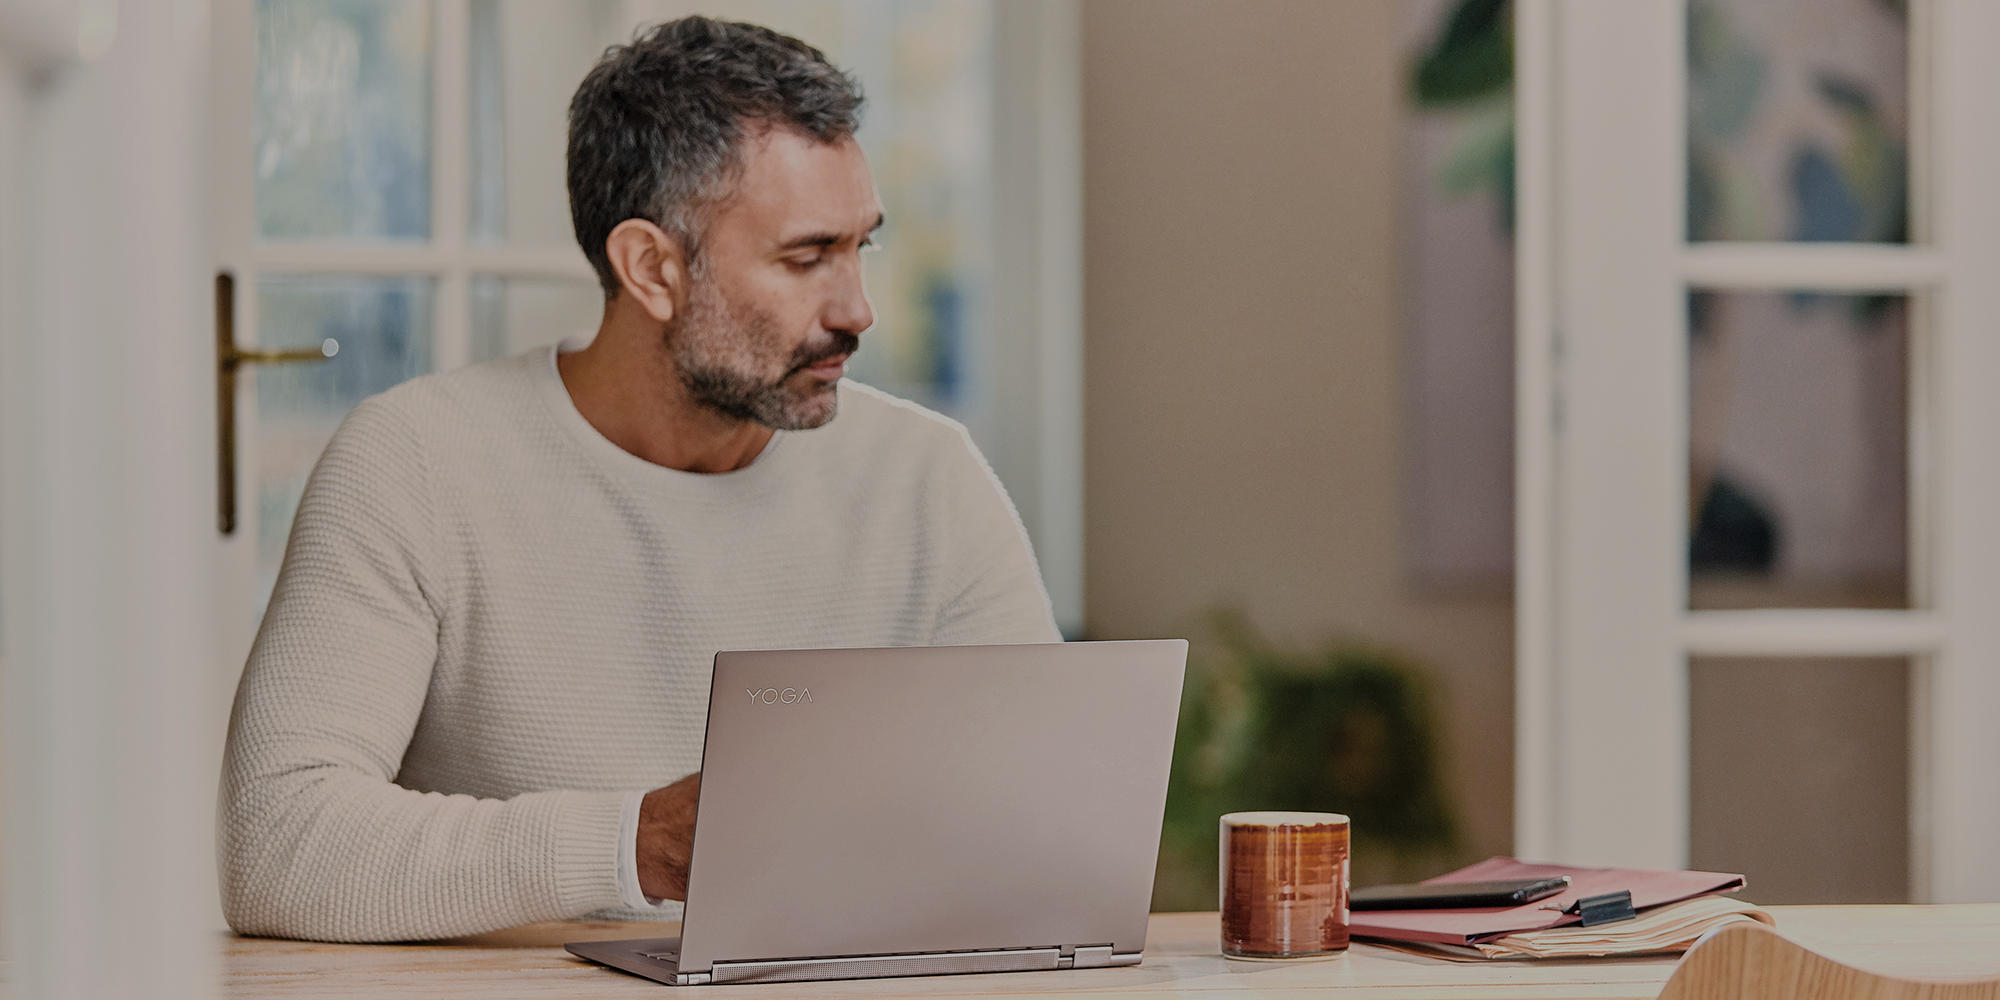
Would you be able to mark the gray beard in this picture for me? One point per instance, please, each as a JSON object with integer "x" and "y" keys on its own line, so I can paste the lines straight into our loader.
{"x": 739, "y": 395}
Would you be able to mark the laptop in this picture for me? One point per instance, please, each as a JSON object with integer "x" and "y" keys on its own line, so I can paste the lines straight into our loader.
{"x": 923, "y": 810}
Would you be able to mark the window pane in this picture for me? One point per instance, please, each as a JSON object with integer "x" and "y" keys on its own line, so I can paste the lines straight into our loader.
{"x": 1798, "y": 120}
{"x": 1800, "y": 777}
{"x": 511, "y": 315}
{"x": 527, "y": 57}
{"x": 342, "y": 129}
{"x": 383, "y": 326}
{"x": 1798, "y": 451}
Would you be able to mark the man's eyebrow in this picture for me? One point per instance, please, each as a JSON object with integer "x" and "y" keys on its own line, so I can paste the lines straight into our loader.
{"x": 824, "y": 238}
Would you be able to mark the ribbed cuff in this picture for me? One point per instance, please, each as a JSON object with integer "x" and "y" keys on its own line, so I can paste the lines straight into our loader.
{"x": 587, "y": 845}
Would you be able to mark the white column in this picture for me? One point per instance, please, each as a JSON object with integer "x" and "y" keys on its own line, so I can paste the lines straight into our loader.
{"x": 1964, "y": 683}
{"x": 106, "y": 505}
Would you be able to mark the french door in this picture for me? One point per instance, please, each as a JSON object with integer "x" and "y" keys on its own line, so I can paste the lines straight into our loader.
{"x": 1759, "y": 562}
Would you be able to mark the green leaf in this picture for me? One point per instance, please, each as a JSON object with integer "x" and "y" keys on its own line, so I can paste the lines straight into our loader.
{"x": 1726, "y": 76}
{"x": 1473, "y": 57}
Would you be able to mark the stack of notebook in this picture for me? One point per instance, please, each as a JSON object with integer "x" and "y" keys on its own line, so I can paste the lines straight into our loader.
{"x": 1673, "y": 910}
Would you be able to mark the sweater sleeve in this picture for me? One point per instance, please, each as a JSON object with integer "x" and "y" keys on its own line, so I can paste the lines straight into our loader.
{"x": 315, "y": 839}
{"x": 995, "y": 593}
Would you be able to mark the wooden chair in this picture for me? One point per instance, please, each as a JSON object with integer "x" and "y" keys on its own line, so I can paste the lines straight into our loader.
{"x": 1753, "y": 962}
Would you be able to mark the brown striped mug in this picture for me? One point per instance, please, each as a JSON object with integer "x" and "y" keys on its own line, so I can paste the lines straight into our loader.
{"x": 1284, "y": 884}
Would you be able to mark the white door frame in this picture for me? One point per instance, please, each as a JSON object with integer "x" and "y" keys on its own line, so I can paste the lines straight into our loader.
{"x": 1603, "y": 636}
{"x": 1962, "y": 742}
{"x": 1601, "y": 717}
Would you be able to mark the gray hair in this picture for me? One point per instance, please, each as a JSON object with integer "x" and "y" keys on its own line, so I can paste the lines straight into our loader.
{"x": 656, "y": 127}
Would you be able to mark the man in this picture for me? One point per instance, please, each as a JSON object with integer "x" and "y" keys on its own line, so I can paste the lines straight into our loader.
{"x": 479, "y": 691}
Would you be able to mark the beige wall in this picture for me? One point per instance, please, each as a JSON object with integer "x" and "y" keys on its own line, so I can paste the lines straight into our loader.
{"x": 1242, "y": 395}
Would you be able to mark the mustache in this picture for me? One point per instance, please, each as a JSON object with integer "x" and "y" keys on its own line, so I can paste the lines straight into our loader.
{"x": 841, "y": 343}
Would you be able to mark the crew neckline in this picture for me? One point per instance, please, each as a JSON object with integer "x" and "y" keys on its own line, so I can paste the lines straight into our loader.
{"x": 759, "y": 473}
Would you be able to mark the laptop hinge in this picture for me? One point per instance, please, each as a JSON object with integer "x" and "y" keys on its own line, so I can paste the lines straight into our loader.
{"x": 872, "y": 966}
{"x": 1094, "y": 956}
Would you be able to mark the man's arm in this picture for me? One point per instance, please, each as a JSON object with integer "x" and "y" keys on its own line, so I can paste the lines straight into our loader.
{"x": 315, "y": 839}
{"x": 994, "y": 590}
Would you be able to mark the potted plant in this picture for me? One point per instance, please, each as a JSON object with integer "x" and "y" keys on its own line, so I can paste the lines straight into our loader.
{"x": 1347, "y": 728}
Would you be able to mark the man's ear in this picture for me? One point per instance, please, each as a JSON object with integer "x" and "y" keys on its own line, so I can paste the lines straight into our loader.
{"x": 650, "y": 266}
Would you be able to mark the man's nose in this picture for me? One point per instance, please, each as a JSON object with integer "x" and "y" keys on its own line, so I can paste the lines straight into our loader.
{"x": 849, "y": 309}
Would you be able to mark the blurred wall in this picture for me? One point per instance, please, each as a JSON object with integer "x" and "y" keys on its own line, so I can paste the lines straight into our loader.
{"x": 1242, "y": 384}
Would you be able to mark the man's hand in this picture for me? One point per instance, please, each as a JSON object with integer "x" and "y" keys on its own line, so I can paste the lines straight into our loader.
{"x": 666, "y": 838}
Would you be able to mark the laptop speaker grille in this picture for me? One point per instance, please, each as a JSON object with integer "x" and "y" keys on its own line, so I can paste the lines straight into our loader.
{"x": 1018, "y": 960}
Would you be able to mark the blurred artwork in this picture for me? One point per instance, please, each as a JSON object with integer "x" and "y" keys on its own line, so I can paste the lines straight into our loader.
{"x": 1798, "y": 120}
{"x": 1797, "y": 131}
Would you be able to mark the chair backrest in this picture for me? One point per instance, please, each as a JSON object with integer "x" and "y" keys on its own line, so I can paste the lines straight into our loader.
{"x": 1753, "y": 961}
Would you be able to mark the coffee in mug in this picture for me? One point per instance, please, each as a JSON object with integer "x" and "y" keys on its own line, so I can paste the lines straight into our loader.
{"x": 1284, "y": 884}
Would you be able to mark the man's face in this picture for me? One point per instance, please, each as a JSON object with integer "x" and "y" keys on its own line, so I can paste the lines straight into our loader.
{"x": 776, "y": 304}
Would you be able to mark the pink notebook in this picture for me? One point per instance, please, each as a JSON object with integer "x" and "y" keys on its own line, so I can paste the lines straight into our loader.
{"x": 1648, "y": 888}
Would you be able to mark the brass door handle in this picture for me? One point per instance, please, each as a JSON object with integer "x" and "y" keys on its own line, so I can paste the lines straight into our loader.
{"x": 229, "y": 358}
{"x": 327, "y": 348}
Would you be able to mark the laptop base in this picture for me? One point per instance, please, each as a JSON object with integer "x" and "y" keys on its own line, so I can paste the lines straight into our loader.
{"x": 657, "y": 959}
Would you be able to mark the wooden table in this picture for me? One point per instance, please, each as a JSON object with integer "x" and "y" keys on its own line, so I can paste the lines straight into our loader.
{"x": 1181, "y": 958}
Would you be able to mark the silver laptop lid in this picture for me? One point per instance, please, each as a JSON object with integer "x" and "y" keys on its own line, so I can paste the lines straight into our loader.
{"x": 930, "y": 799}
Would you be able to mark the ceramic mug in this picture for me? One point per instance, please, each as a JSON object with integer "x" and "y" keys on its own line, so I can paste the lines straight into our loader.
{"x": 1284, "y": 884}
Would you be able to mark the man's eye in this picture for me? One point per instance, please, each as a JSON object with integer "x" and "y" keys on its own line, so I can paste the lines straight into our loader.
{"x": 807, "y": 263}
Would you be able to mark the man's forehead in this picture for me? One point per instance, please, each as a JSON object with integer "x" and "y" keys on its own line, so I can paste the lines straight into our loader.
{"x": 793, "y": 184}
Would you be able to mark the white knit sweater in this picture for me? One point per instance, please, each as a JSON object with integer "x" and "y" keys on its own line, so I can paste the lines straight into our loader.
{"x": 493, "y": 625}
